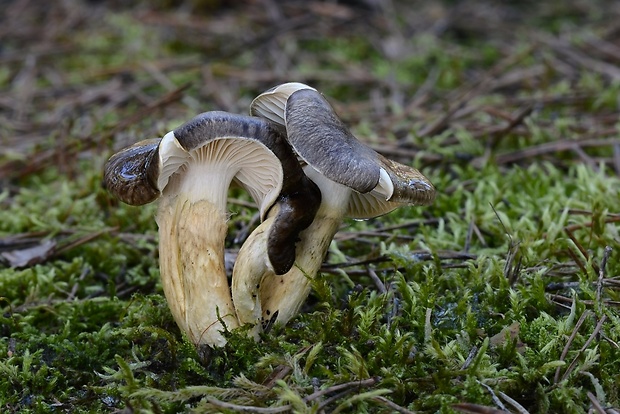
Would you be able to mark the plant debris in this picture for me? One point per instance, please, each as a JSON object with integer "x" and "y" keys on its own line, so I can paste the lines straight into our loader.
{"x": 504, "y": 296}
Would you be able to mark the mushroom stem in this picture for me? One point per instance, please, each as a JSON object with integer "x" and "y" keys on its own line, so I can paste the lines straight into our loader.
{"x": 192, "y": 268}
{"x": 261, "y": 296}
{"x": 281, "y": 296}
{"x": 251, "y": 266}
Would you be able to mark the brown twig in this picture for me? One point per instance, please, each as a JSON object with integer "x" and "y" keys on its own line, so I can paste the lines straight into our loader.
{"x": 477, "y": 409}
{"x": 564, "y": 299}
{"x": 392, "y": 405}
{"x": 369, "y": 382}
{"x": 144, "y": 112}
{"x": 375, "y": 278}
{"x": 514, "y": 403}
{"x": 417, "y": 254}
{"x": 594, "y": 334}
{"x": 601, "y": 276}
{"x": 571, "y": 338}
{"x": 76, "y": 286}
{"x": 596, "y": 403}
{"x": 551, "y": 147}
{"x": 83, "y": 240}
{"x": 573, "y": 55}
{"x": 608, "y": 220}
{"x": 247, "y": 408}
{"x": 581, "y": 249}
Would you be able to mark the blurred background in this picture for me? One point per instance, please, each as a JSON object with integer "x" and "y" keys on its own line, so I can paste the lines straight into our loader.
{"x": 511, "y": 108}
{"x": 84, "y": 76}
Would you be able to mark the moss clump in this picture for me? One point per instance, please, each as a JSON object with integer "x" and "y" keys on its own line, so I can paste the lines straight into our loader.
{"x": 503, "y": 294}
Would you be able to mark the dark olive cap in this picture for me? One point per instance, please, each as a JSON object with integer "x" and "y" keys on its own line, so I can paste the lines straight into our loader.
{"x": 323, "y": 141}
{"x": 137, "y": 175}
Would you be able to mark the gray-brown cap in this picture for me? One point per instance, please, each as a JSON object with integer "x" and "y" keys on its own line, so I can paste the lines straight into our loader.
{"x": 258, "y": 157}
{"x": 131, "y": 174}
{"x": 324, "y": 142}
{"x": 141, "y": 173}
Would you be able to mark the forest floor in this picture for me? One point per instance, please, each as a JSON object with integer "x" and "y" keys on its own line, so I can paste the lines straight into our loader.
{"x": 503, "y": 296}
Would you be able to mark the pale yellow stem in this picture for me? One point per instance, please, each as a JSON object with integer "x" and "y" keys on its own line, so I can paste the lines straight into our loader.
{"x": 263, "y": 298}
{"x": 191, "y": 255}
{"x": 251, "y": 266}
{"x": 281, "y": 296}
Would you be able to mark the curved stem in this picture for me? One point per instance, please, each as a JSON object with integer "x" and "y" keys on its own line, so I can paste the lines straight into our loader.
{"x": 251, "y": 266}
{"x": 261, "y": 297}
{"x": 191, "y": 254}
{"x": 281, "y": 296}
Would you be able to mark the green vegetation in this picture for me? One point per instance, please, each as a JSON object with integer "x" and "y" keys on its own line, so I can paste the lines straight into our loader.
{"x": 505, "y": 293}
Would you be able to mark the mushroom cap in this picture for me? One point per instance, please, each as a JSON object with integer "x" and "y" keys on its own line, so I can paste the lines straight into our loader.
{"x": 411, "y": 188}
{"x": 253, "y": 152}
{"x": 318, "y": 136}
{"x": 250, "y": 146}
{"x": 271, "y": 103}
{"x": 139, "y": 174}
{"x": 131, "y": 175}
{"x": 325, "y": 143}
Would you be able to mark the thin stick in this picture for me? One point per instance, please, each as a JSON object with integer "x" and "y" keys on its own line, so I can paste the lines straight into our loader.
{"x": 595, "y": 403}
{"x": 391, "y": 404}
{"x": 248, "y": 408}
{"x": 601, "y": 276}
{"x": 375, "y": 278}
{"x": 573, "y": 227}
{"x": 564, "y": 299}
{"x": 496, "y": 400}
{"x": 549, "y": 147}
{"x": 470, "y": 232}
{"x": 573, "y": 334}
{"x": 363, "y": 383}
{"x": 594, "y": 334}
{"x": 515, "y": 404}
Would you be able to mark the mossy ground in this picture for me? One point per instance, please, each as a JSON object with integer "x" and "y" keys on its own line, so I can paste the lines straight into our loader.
{"x": 503, "y": 294}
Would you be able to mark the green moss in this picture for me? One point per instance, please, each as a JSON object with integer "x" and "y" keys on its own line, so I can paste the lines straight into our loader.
{"x": 88, "y": 329}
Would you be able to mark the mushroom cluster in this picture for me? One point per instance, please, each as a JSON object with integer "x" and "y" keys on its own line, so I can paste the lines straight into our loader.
{"x": 304, "y": 170}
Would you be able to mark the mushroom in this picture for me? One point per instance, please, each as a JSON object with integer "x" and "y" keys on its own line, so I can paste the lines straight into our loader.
{"x": 271, "y": 247}
{"x": 191, "y": 168}
{"x": 355, "y": 182}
